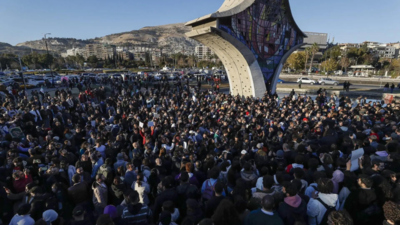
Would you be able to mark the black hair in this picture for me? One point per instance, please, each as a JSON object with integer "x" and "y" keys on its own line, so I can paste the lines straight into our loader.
{"x": 76, "y": 178}
{"x": 268, "y": 181}
{"x": 313, "y": 164}
{"x": 299, "y": 159}
{"x": 290, "y": 188}
{"x": 24, "y": 209}
{"x": 133, "y": 197}
{"x": 318, "y": 175}
{"x": 299, "y": 173}
{"x": 267, "y": 202}
{"x": 104, "y": 219}
{"x": 219, "y": 188}
{"x": 325, "y": 186}
{"x": 214, "y": 173}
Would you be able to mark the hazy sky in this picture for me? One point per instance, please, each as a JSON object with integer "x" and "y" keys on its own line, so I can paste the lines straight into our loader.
{"x": 346, "y": 20}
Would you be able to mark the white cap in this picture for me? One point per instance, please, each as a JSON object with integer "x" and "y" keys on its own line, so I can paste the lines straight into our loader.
{"x": 244, "y": 152}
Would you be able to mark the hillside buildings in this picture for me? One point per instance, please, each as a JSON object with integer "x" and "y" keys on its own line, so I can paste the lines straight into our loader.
{"x": 203, "y": 52}
{"x": 100, "y": 51}
{"x": 73, "y": 52}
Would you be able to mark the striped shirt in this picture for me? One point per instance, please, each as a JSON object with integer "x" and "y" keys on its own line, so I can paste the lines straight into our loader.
{"x": 142, "y": 217}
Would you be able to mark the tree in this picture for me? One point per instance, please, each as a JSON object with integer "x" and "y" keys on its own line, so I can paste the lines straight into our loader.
{"x": 329, "y": 65}
{"x": 80, "y": 60}
{"x": 92, "y": 60}
{"x": 307, "y": 52}
{"x": 344, "y": 63}
{"x": 296, "y": 60}
{"x": 396, "y": 66}
{"x": 148, "y": 59}
{"x": 45, "y": 60}
{"x": 332, "y": 53}
{"x": 314, "y": 50}
{"x": 181, "y": 63}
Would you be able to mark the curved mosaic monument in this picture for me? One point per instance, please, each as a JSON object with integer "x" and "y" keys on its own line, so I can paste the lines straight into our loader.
{"x": 253, "y": 38}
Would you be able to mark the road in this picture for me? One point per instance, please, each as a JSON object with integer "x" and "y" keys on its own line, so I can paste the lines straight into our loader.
{"x": 339, "y": 87}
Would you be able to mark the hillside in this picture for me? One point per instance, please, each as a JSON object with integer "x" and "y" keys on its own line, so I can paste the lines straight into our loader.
{"x": 166, "y": 36}
{"x": 18, "y": 50}
{"x": 56, "y": 44}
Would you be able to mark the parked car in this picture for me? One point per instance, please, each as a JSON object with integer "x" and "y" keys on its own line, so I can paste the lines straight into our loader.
{"x": 328, "y": 81}
{"x": 281, "y": 81}
{"x": 6, "y": 81}
{"x": 306, "y": 80}
{"x": 172, "y": 76}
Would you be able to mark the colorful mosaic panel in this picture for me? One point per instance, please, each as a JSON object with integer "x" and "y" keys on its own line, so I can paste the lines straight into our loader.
{"x": 265, "y": 29}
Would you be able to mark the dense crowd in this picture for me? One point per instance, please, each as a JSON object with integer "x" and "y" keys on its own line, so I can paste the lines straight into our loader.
{"x": 133, "y": 152}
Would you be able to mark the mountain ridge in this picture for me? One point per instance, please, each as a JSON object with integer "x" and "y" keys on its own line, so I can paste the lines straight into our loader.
{"x": 167, "y": 36}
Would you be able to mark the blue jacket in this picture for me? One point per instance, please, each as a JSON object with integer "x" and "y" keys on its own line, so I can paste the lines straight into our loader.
{"x": 130, "y": 177}
{"x": 96, "y": 167}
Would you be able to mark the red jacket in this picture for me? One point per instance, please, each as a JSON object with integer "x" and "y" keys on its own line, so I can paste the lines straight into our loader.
{"x": 19, "y": 185}
{"x": 144, "y": 136}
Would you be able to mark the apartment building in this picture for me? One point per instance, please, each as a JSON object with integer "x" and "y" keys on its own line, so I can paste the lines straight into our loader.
{"x": 203, "y": 52}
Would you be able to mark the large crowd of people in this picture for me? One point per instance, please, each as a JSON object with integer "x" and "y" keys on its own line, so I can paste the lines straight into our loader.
{"x": 140, "y": 153}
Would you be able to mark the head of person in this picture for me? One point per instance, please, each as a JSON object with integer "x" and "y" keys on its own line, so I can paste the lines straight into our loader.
{"x": 391, "y": 210}
{"x": 50, "y": 216}
{"x": 165, "y": 218}
{"x": 78, "y": 212}
{"x": 290, "y": 189}
{"x": 111, "y": 211}
{"x": 268, "y": 182}
{"x": 214, "y": 173}
{"x": 218, "y": 188}
{"x": 225, "y": 211}
{"x": 267, "y": 203}
{"x": 377, "y": 165}
{"x": 104, "y": 219}
{"x": 100, "y": 178}
{"x": 364, "y": 181}
{"x": 168, "y": 206}
{"x": 24, "y": 209}
{"x": 325, "y": 185}
{"x": 339, "y": 218}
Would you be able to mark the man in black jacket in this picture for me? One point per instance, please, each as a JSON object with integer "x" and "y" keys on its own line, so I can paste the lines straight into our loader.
{"x": 213, "y": 203}
{"x": 168, "y": 193}
{"x": 361, "y": 203}
{"x": 79, "y": 192}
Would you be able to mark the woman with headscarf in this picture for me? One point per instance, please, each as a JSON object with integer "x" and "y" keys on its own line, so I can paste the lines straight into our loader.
{"x": 337, "y": 179}
{"x": 112, "y": 212}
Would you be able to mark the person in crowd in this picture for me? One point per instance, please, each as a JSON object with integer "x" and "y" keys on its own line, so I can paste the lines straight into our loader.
{"x": 293, "y": 209}
{"x": 22, "y": 216}
{"x": 339, "y": 218}
{"x": 100, "y": 193}
{"x": 265, "y": 215}
{"x": 135, "y": 212}
{"x": 138, "y": 151}
{"x": 322, "y": 203}
{"x": 391, "y": 211}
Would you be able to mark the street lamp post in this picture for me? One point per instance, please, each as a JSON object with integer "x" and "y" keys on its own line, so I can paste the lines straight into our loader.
{"x": 22, "y": 74}
{"x": 47, "y": 50}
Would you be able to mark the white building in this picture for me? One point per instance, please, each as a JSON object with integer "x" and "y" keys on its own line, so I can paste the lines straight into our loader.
{"x": 203, "y": 52}
{"x": 73, "y": 52}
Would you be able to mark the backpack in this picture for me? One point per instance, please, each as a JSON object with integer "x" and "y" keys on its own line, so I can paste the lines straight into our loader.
{"x": 329, "y": 209}
{"x": 369, "y": 213}
{"x": 208, "y": 191}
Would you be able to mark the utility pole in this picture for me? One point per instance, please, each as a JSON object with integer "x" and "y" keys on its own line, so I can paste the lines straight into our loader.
{"x": 22, "y": 74}
{"x": 47, "y": 50}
